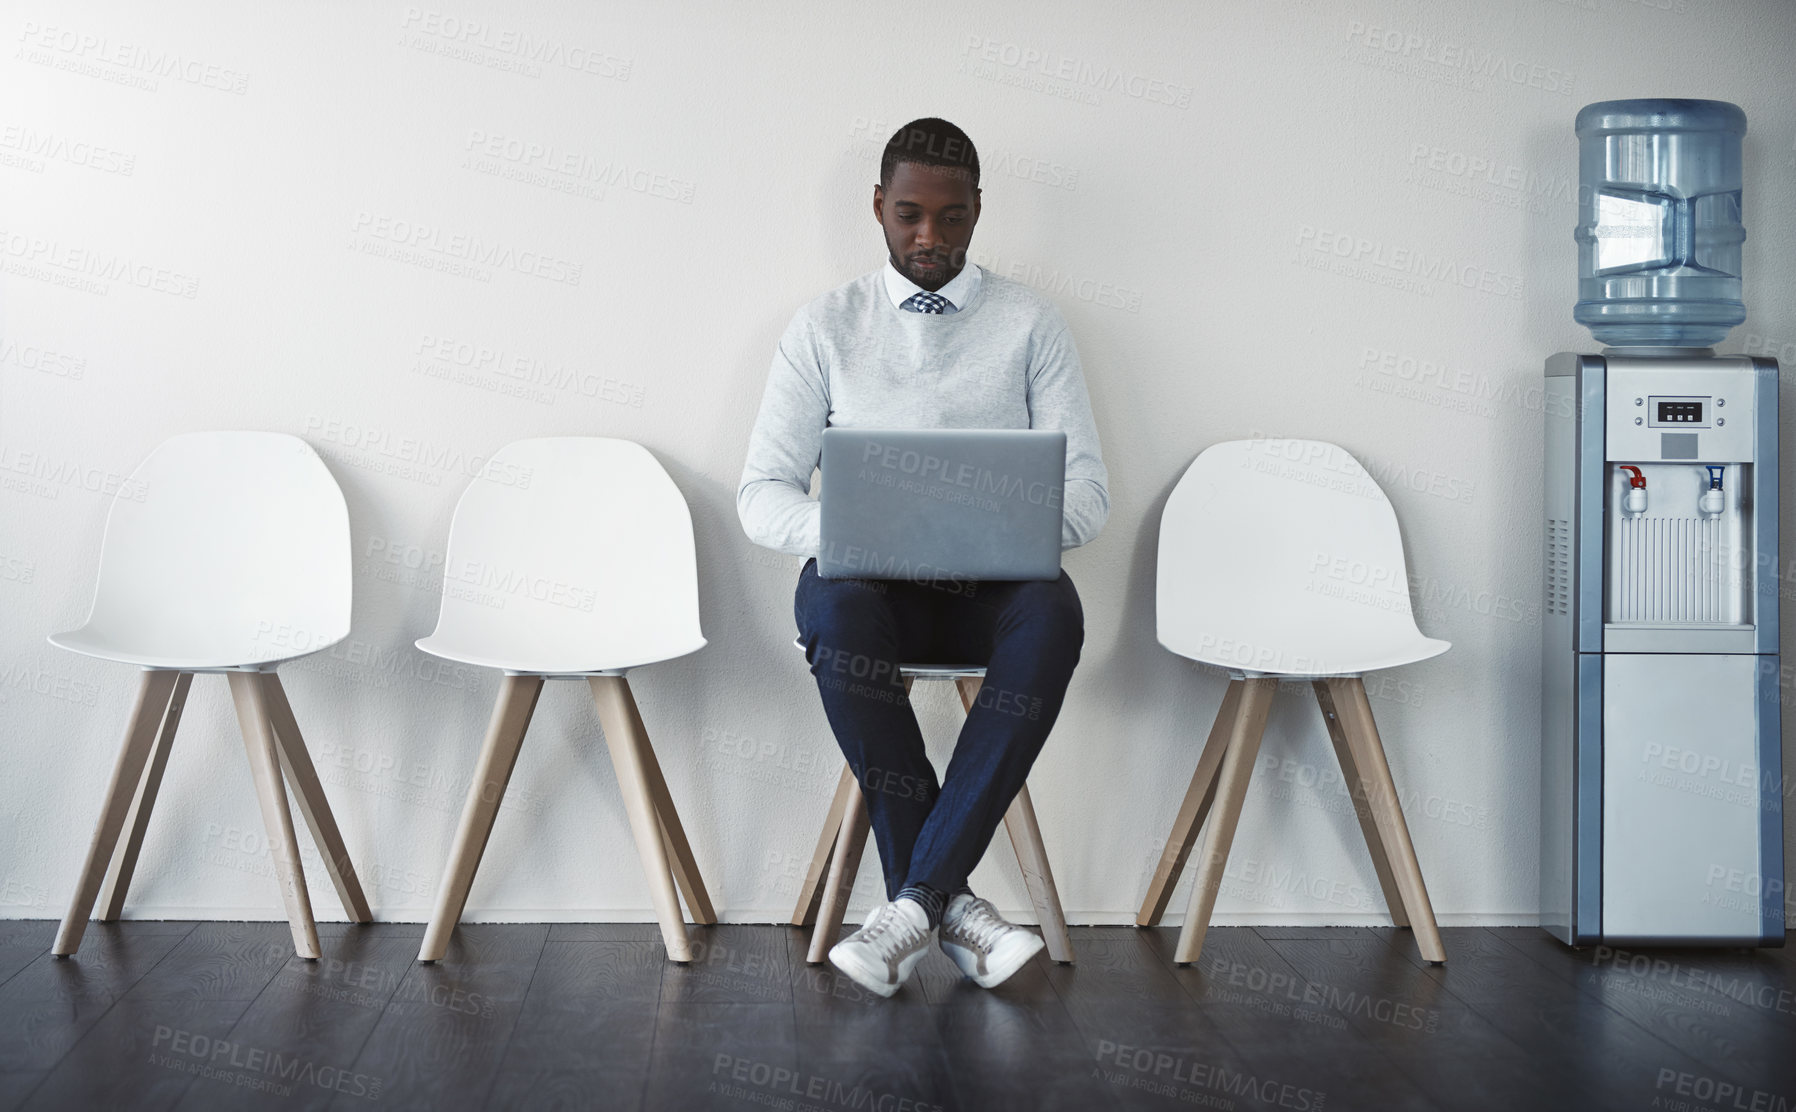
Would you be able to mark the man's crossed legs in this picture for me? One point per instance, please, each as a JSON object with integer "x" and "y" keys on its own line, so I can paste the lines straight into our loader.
{"x": 932, "y": 833}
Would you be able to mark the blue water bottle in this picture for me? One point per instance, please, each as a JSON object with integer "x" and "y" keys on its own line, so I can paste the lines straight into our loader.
{"x": 1659, "y": 230}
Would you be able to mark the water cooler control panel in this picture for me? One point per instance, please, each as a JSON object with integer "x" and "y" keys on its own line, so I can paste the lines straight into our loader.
{"x": 1706, "y": 416}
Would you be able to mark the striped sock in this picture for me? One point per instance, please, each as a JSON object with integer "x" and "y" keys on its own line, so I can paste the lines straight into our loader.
{"x": 930, "y": 900}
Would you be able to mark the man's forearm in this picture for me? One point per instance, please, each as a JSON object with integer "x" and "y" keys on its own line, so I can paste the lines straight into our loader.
{"x": 776, "y": 515}
{"x": 1087, "y": 507}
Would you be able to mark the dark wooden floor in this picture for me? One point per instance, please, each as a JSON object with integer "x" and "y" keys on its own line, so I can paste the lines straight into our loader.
{"x": 221, "y": 1015}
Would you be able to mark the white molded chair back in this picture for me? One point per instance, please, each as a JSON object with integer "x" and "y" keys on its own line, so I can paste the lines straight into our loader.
{"x": 1283, "y": 556}
{"x": 223, "y": 549}
{"x": 569, "y": 555}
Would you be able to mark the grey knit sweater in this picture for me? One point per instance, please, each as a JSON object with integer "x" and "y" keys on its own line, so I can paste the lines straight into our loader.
{"x": 853, "y": 359}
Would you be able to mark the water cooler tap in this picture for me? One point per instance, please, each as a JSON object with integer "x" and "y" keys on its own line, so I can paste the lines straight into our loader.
{"x": 1634, "y": 501}
{"x": 1713, "y": 500}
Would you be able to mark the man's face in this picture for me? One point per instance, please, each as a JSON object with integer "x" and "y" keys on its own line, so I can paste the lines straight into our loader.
{"x": 928, "y": 213}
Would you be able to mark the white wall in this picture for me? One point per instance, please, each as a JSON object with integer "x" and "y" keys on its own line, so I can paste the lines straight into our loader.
{"x": 249, "y": 191}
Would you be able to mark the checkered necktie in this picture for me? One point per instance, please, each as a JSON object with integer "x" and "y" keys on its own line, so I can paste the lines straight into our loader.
{"x": 925, "y": 302}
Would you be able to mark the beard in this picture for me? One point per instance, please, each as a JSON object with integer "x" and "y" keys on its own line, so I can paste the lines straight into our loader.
{"x": 949, "y": 266}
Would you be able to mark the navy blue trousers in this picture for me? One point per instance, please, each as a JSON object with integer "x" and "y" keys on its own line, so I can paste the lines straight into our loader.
{"x": 855, "y": 632}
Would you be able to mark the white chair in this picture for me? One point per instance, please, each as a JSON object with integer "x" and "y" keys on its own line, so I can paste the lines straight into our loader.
{"x": 571, "y": 558}
{"x": 829, "y": 881}
{"x": 1283, "y": 558}
{"x": 224, "y": 552}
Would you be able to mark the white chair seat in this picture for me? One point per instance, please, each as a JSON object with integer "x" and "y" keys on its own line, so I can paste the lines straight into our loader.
{"x": 929, "y": 671}
{"x": 531, "y": 658}
{"x": 942, "y": 671}
{"x": 1331, "y": 652}
{"x": 165, "y": 653}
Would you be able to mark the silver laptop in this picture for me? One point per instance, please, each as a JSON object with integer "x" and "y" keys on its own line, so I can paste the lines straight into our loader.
{"x": 942, "y": 505}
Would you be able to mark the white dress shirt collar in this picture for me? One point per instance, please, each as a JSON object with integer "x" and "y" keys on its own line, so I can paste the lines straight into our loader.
{"x": 958, "y": 291}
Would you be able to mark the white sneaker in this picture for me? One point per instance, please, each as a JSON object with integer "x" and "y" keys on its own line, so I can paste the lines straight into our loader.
{"x": 888, "y": 946}
{"x": 986, "y": 946}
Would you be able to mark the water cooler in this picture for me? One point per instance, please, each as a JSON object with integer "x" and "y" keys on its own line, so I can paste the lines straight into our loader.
{"x": 1661, "y": 761}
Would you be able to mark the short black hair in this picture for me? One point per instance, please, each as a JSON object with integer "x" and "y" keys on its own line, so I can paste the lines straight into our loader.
{"x": 930, "y": 142}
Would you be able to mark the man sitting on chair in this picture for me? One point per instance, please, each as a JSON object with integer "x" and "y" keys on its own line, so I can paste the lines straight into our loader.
{"x": 928, "y": 341}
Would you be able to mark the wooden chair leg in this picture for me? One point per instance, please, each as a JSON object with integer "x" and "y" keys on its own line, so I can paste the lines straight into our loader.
{"x": 1231, "y": 789}
{"x": 1025, "y": 837}
{"x": 1381, "y": 793}
{"x": 844, "y": 866}
{"x": 628, "y": 747}
{"x": 254, "y": 719}
{"x": 124, "y": 862}
{"x": 153, "y": 693}
{"x": 1362, "y": 807}
{"x": 810, "y": 892}
{"x": 674, "y": 843}
{"x": 1192, "y": 812}
{"x": 302, "y": 777}
{"x": 498, "y": 756}
{"x": 1031, "y": 854}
